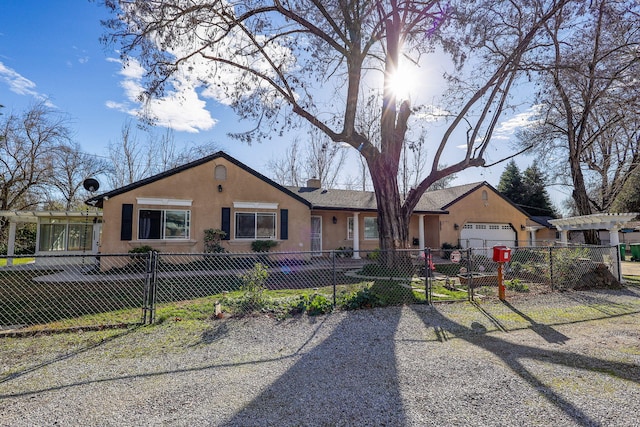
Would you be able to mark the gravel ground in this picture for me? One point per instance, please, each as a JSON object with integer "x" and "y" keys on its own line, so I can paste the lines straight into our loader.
{"x": 556, "y": 359}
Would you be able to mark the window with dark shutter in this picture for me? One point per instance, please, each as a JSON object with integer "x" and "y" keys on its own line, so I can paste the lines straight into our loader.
{"x": 126, "y": 226}
{"x": 226, "y": 223}
{"x": 284, "y": 224}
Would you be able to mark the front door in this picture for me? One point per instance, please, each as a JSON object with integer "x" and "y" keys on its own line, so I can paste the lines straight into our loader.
{"x": 316, "y": 235}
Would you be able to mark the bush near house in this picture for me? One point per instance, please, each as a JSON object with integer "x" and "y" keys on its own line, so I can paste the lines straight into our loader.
{"x": 263, "y": 245}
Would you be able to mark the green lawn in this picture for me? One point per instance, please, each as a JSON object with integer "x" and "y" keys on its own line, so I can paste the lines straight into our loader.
{"x": 16, "y": 261}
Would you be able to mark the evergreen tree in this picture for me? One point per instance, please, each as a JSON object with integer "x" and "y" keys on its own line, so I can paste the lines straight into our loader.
{"x": 527, "y": 190}
{"x": 511, "y": 185}
{"x": 536, "y": 201}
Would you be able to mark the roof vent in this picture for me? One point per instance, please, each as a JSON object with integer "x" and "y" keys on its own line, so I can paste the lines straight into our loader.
{"x": 314, "y": 183}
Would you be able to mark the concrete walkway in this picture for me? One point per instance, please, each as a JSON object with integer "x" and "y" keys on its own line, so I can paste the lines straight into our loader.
{"x": 630, "y": 268}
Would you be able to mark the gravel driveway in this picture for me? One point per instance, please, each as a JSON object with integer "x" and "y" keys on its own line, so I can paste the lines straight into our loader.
{"x": 553, "y": 360}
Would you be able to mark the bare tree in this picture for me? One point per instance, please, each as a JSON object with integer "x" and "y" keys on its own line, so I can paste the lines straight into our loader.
{"x": 267, "y": 58}
{"x": 28, "y": 144}
{"x": 324, "y": 159}
{"x": 131, "y": 160}
{"x": 287, "y": 169}
{"x": 72, "y": 167}
{"x": 589, "y": 99}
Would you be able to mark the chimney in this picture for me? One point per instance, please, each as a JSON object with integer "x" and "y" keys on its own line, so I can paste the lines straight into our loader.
{"x": 314, "y": 183}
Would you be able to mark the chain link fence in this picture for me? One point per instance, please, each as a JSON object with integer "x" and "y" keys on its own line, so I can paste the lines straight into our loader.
{"x": 57, "y": 293}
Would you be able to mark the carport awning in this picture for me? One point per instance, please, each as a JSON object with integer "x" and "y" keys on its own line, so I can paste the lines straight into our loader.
{"x": 611, "y": 222}
{"x": 32, "y": 216}
{"x": 601, "y": 221}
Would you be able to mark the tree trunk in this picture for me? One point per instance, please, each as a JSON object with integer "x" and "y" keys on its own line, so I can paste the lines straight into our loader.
{"x": 393, "y": 225}
{"x": 583, "y": 206}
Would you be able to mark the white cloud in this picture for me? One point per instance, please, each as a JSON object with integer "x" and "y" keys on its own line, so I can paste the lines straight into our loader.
{"x": 20, "y": 84}
{"x": 183, "y": 107}
{"x": 507, "y": 128}
{"x": 180, "y": 109}
{"x": 17, "y": 83}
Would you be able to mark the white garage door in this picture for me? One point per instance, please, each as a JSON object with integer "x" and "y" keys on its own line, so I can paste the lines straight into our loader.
{"x": 485, "y": 235}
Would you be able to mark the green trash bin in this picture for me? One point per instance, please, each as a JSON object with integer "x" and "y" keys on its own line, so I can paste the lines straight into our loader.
{"x": 635, "y": 251}
{"x": 623, "y": 251}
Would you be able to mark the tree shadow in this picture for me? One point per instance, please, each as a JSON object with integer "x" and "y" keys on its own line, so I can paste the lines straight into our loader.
{"x": 514, "y": 355}
{"x": 320, "y": 383}
{"x": 549, "y": 334}
{"x": 319, "y": 389}
{"x": 68, "y": 355}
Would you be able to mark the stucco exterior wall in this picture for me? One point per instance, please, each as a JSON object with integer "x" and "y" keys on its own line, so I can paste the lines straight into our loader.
{"x": 335, "y": 236}
{"x": 200, "y": 186}
{"x": 490, "y": 208}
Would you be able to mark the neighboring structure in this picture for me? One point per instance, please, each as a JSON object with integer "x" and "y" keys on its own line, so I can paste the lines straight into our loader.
{"x": 541, "y": 231}
{"x": 171, "y": 210}
{"x": 57, "y": 233}
{"x": 612, "y": 223}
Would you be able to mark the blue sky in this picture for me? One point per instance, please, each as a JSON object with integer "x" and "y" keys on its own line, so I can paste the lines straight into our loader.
{"x": 51, "y": 50}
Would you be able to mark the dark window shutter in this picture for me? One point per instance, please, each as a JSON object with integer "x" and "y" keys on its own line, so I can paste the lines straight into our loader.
{"x": 284, "y": 224}
{"x": 126, "y": 226}
{"x": 226, "y": 223}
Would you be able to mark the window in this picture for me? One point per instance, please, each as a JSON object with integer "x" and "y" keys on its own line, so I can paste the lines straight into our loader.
{"x": 255, "y": 225}
{"x": 220, "y": 173}
{"x": 485, "y": 195}
{"x": 468, "y": 227}
{"x": 60, "y": 235}
{"x": 163, "y": 224}
{"x": 370, "y": 227}
{"x": 350, "y": 228}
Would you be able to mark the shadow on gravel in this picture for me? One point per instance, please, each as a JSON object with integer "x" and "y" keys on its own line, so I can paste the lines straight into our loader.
{"x": 319, "y": 389}
{"x": 549, "y": 334}
{"x": 513, "y": 354}
{"x": 65, "y": 356}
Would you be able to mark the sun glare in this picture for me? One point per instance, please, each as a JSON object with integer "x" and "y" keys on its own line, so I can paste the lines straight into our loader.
{"x": 403, "y": 83}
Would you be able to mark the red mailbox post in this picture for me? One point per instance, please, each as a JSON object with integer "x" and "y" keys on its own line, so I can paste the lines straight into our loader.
{"x": 501, "y": 254}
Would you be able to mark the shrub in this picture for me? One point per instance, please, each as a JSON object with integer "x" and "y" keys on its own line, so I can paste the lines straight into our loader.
{"x": 363, "y": 298}
{"x": 344, "y": 252}
{"x": 253, "y": 288}
{"x": 212, "y": 239}
{"x": 568, "y": 266}
{"x": 516, "y": 285}
{"x": 374, "y": 255}
{"x": 263, "y": 245}
{"x": 319, "y": 304}
{"x": 144, "y": 249}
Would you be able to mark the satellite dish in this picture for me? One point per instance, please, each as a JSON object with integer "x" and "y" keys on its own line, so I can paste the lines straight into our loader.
{"x": 91, "y": 184}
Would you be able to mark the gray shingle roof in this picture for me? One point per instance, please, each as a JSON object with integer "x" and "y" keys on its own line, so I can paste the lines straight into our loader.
{"x": 332, "y": 199}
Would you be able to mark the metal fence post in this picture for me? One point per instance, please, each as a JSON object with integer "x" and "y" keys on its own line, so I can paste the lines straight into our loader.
{"x": 551, "y": 267}
{"x": 427, "y": 275}
{"x": 154, "y": 286}
{"x": 334, "y": 278}
{"x": 616, "y": 250}
{"x": 146, "y": 314}
{"x": 150, "y": 284}
{"x": 470, "y": 271}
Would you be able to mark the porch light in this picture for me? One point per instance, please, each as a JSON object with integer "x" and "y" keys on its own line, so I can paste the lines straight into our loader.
{"x": 456, "y": 226}
{"x": 219, "y": 188}
{"x": 522, "y": 227}
{"x": 335, "y": 220}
